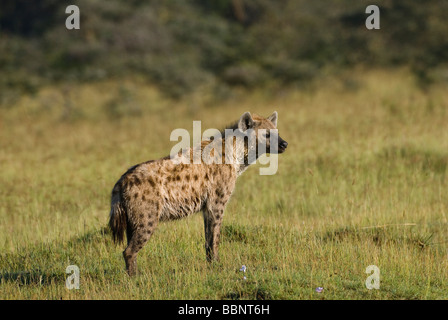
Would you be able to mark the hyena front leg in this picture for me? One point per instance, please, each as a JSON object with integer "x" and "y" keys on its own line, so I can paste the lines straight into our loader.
{"x": 213, "y": 216}
{"x": 212, "y": 228}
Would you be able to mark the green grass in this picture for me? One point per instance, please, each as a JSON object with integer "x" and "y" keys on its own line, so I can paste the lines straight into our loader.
{"x": 363, "y": 182}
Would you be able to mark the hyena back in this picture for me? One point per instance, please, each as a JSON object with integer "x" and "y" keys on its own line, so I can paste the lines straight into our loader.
{"x": 161, "y": 190}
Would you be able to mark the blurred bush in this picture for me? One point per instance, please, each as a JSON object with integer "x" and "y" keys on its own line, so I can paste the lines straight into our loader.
{"x": 181, "y": 45}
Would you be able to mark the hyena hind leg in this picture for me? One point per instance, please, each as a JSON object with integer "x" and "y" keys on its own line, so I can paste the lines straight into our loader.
{"x": 137, "y": 238}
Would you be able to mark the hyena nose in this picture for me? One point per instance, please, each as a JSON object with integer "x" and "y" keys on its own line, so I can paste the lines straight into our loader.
{"x": 283, "y": 144}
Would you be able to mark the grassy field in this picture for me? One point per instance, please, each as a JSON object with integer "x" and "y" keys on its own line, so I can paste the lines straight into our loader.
{"x": 363, "y": 182}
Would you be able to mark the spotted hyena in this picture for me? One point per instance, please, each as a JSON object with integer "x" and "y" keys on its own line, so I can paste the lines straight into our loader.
{"x": 167, "y": 189}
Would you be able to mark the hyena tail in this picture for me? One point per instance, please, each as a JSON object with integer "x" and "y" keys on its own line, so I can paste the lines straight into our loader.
{"x": 118, "y": 215}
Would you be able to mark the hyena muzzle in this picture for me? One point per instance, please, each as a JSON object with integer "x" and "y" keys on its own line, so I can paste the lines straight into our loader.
{"x": 163, "y": 189}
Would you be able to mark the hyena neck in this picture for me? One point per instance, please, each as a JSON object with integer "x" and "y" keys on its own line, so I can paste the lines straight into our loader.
{"x": 241, "y": 157}
{"x": 223, "y": 151}
{"x": 228, "y": 149}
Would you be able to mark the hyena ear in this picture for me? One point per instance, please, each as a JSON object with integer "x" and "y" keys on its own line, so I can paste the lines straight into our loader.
{"x": 245, "y": 122}
{"x": 273, "y": 118}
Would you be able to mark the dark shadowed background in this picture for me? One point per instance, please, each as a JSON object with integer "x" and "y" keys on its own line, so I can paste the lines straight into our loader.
{"x": 182, "y": 45}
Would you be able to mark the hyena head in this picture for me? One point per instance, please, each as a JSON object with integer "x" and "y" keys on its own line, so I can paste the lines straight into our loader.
{"x": 262, "y": 133}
